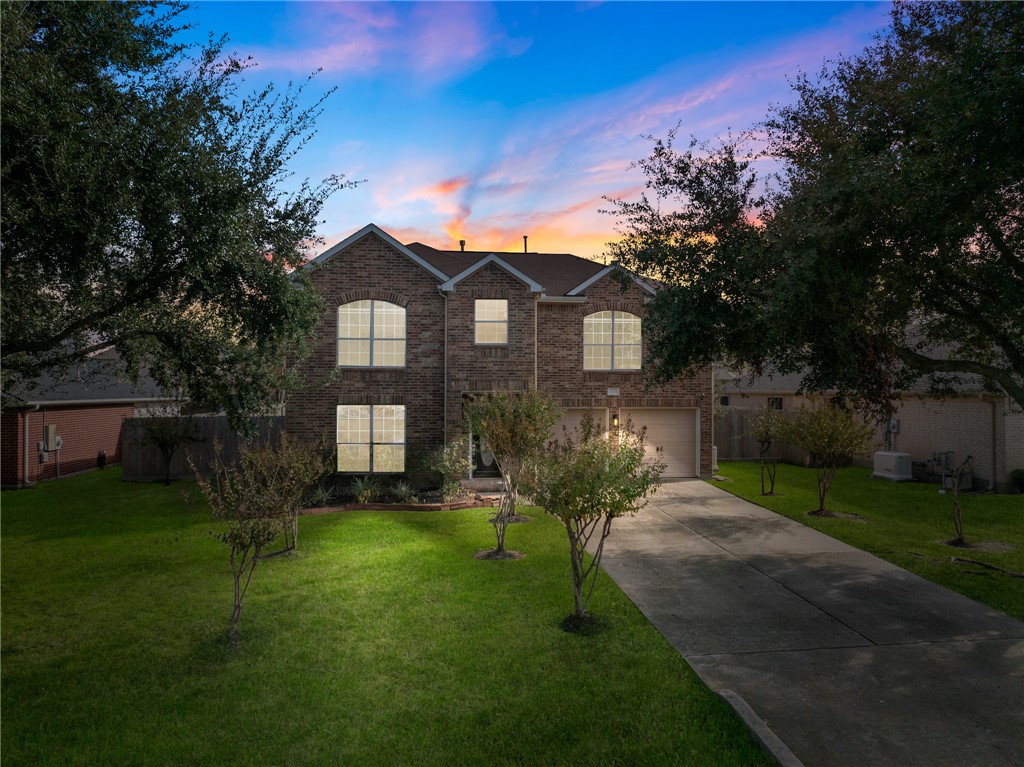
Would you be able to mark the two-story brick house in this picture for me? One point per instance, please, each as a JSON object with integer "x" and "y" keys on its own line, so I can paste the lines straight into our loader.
{"x": 411, "y": 331}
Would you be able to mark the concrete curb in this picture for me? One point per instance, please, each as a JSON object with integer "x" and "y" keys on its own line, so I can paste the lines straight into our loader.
{"x": 760, "y": 731}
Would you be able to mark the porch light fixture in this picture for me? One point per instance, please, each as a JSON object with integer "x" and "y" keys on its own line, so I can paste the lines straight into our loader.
{"x": 615, "y": 421}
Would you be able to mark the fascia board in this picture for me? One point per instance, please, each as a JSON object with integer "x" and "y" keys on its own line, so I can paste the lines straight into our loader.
{"x": 605, "y": 272}
{"x": 374, "y": 229}
{"x": 534, "y": 286}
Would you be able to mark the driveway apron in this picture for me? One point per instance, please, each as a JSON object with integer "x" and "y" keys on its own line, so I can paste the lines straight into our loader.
{"x": 833, "y": 657}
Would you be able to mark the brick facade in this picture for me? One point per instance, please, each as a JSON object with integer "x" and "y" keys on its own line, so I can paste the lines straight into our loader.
{"x": 84, "y": 431}
{"x": 443, "y": 362}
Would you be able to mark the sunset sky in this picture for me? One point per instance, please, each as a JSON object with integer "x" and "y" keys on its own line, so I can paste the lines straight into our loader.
{"x": 487, "y": 122}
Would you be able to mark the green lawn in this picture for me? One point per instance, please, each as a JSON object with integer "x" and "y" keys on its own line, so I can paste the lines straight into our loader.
{"x": 382, "y": 642}
{"x": 906, "y": 524}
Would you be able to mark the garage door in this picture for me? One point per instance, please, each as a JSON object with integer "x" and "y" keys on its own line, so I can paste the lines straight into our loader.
{"x": 572, "y": 418}
{"x": 674, "y": 431}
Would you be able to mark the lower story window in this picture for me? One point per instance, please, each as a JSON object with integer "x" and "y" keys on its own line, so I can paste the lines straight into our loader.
{"x": 371, "y": 438}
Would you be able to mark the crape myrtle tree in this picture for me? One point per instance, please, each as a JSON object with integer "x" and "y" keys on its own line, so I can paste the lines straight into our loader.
{"x": 586, "y": 481}
{"x": 167, "y": 430}
{"x": 252, "y": 498}
{"x": 767, "y": 427}
{"x": 887, "y": 248}
{"x": 516, "y": 425}
{"x": 832, "y": 435}
{"x": 144, "y": 204}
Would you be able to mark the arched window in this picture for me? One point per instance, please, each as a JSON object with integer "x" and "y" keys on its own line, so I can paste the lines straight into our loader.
{"x": 611, "y": 341}
{"x": 371, "y": 333}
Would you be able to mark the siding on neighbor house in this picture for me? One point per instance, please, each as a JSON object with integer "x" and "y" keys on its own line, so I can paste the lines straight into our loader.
{"x": 981, "y": 425}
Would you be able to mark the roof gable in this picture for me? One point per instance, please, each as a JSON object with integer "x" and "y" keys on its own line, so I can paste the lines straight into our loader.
{"x": 604, "y": 273}
{"x": 374, "y": 229}
{"x": 533, "y": 285}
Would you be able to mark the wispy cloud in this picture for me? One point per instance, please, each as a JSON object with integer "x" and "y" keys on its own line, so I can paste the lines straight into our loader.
{"x": 544, "y": 169}
{"x": 431, "y": 42}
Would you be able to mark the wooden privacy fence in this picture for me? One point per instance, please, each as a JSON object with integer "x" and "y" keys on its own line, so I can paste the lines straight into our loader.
{"x": 732, "y": 437}
{"x": 141, "y": 462}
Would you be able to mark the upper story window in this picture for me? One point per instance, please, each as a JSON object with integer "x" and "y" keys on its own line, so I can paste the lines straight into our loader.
{"x": 611, "y": 341}
{"x": 490, "y": 323}
{"x": 775, "y": 403}
{"x": 371, "y": 334}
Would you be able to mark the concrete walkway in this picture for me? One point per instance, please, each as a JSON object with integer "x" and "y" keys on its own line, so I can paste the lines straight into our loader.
{"x": 834, "y": 657}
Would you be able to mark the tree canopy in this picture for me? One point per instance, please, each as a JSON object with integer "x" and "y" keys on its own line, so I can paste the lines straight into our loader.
{"x": 143, "y": 203}
{"x": 887, "y": 247}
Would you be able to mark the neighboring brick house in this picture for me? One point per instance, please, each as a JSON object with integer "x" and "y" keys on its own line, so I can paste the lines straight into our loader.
{"x": 411, "y": 331}
{"x": 84, "y": 409}
{"x": 935, "y": 432}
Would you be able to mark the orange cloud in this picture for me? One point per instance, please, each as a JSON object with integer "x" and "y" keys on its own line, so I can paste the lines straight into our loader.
{"x": 448, "y": 186}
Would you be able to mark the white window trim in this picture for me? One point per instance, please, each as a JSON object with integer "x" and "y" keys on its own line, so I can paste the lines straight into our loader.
{"x": 338, "y": 339}
{"x": 613, "y": 344}
{"x": 477, "y": 323}
{"x": 370, "y": 443}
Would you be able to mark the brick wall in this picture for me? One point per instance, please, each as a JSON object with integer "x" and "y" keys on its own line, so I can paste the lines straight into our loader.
{"x": 473, "y": 368}
{"x": 84, "y": 431}
{"x": 561, "y": 373}
{"x": 373, "y": 269}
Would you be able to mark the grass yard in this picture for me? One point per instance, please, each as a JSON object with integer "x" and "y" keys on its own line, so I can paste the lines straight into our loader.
{"x": 906, "y": 524}
{"x": 382, "y": 642}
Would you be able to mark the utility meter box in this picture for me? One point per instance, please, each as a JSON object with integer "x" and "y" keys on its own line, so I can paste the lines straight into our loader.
{"x": 50, "y": 437}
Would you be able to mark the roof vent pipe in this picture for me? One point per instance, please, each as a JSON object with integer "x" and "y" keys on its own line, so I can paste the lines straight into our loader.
{"x": 524, "y": 244}
{"x": 462, "y": 245}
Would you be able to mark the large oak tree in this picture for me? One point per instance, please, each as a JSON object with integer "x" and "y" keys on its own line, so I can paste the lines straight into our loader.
{"x": 144, "y": 204}
{"x": 889, "y": 245}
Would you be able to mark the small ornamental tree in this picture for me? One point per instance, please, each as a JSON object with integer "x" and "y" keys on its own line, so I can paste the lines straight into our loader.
{"x": 585, "y": 481}
{"x": 958, "y": 512}
{"x": 167, "y": 431}
{"x": 766, "y": 427}
{"x": 832, "y": 436}
{"x": 452, "y": 462}
{"x": 289, "y": 475}
{"x": 252, "y": 498}
{"x": 516, "y": 425}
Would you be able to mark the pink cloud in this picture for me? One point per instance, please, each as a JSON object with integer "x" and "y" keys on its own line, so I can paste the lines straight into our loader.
{"x": 433, "y": 41}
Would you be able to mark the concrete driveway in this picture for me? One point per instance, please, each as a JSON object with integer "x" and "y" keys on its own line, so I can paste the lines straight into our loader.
{"x": 834, "y": 657}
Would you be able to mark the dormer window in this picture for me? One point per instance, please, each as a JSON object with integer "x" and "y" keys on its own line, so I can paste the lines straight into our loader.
{"x": 611, "y": 341}
{"x": 371, "y": 334}
{"x": 490, "y": 322}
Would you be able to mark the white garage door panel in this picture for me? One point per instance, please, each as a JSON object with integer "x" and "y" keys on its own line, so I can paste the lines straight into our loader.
{"x": 573, "y": 417}
{"x": 674, "y": 430}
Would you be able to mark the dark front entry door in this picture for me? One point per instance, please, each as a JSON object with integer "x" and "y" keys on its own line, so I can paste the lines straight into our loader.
{"x": 484, "y": 464}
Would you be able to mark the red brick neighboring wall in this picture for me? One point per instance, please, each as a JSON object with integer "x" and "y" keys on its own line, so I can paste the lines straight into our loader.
{"x": 84, "y": 431}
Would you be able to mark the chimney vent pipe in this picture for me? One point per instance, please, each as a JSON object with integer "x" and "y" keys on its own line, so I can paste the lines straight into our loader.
{"x": 524, "y": 244}
{"x": 462, "y": 245}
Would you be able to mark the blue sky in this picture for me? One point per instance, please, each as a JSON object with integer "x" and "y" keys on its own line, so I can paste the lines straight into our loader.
{"x": 488, "y": 121}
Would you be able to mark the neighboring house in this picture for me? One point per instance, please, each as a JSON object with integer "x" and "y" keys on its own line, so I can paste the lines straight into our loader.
{"x": 412, "y": 331}
{"x": 936, "y": 432}
{"x": 82, "y": 411}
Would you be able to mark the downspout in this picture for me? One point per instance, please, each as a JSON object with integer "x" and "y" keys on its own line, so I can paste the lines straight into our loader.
{"x": 536, "y": 311}
{"x": 444, "y": 386}
{"x": 995, "y": 445}
{"x": 26, "y": 424}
